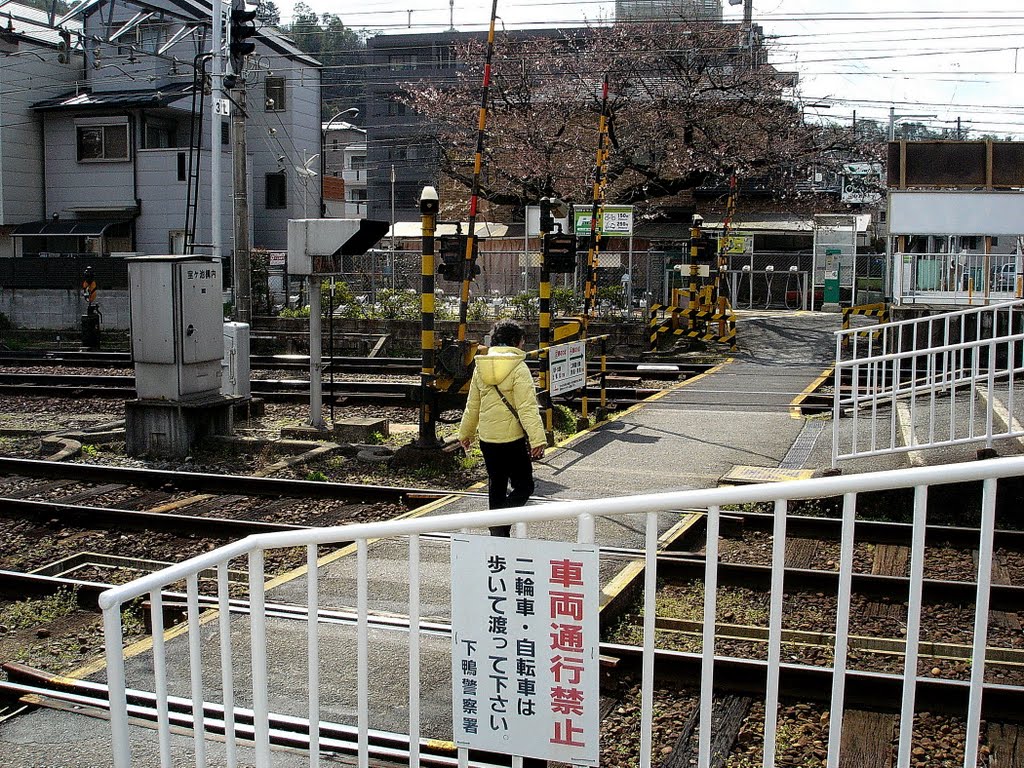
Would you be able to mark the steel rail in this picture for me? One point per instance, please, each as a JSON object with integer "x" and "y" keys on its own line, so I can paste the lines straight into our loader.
{"x": 340, "y": 364}
{"x": 241, "y": 485}
{"x": 871, "y": 690}
{"x": 870, "y": 531}
{"x": 285, "y": 731}
{"x": 124, "y": 386}
{"x": 685, "y": 568}
{"x": 111, "y": 517}
{"x": 173, "y": 607}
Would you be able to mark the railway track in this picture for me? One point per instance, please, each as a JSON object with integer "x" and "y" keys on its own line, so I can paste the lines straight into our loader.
{"x": 397, "y": 366}
{"x": 278, "y": 390}
{"x": 71, "y": 519}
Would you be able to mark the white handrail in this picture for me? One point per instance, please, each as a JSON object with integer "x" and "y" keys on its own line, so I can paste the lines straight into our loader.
{"x": 584, "y": 512}
{"x": 937, "y": 365}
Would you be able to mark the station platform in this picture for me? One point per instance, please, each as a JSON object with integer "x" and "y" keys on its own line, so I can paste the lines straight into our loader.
{"x": 690, "y": 436}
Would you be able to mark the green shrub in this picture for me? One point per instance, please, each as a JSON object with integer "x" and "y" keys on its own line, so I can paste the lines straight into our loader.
{"x": 29, "y": 613}
{"x": 524, "y": 305}
{"x": 564, "y": 419}
{"x": 298, "y": 312}
{"x": 564, "y": 301}
{"x": 397, "y": 305}
{"x": 5, "y": 323}
{"x": 316, "y": 477}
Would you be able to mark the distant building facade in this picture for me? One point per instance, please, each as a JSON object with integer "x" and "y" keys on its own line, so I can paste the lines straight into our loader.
{"x": 110, "y": 125}
{"x": 668, "y": 10}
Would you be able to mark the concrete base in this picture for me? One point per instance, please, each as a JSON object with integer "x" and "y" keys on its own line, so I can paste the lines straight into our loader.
{"x": 250, "y": 408}
{"x": 306, "y": 432}
{"x": 168, "y": 430}
{"x": 831, "y": 308}
{"x": 360, "y": 430}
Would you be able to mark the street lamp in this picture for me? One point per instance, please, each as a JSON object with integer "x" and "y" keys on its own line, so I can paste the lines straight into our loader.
{"x": 894, "y": 118}
{"x": 324, "y": 128}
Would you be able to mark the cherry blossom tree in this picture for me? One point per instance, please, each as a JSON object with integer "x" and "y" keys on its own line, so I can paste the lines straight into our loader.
{"x": 688, "y": 106}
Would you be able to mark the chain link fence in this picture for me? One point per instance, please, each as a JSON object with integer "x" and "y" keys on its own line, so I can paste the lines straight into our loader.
{"x": 387, "y": 284}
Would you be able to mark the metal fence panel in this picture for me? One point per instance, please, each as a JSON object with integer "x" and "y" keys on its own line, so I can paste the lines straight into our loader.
{"x": 583, "y": 513}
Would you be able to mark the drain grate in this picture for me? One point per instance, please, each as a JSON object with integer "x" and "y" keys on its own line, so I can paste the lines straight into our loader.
{"x": 803, "y": 445}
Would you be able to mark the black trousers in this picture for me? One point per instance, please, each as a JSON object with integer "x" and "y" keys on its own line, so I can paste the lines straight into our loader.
{"x": 507, "y": 463}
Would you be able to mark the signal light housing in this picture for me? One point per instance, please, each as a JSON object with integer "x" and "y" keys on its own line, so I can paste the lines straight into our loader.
{"x": 243, "y": 26}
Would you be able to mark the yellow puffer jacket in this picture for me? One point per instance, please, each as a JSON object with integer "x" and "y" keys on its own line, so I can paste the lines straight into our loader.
{"x": 486, "y": 413}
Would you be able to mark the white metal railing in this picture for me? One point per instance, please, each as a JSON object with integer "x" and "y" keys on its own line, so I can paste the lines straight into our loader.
{"x": 584, "y": 514}
{"x": 928, "y": 382}
{"x": 954, "y": 278}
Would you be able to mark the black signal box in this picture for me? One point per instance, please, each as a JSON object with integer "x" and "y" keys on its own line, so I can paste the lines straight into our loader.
{"x": 560, "y": 253}
{"x": 453, "y": 254}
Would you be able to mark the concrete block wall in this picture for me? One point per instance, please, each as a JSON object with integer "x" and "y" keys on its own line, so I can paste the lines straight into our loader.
{"x": 58, "y": 309}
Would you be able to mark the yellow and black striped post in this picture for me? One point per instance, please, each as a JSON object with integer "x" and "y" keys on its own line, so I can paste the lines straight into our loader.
{"x": 596, "y": 211}
{"x": 474, "y": 199}
{"x": 878, "y": 309}
{"x": 652, "y": 326}
{"x": 544, "y": 292}
{"x": 428, "y": 395}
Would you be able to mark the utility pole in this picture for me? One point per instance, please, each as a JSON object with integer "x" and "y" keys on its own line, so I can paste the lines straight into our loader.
{"x": 239, "y": 46}
{"x": 242, "y": 273}
{"x": 216, "y": 94}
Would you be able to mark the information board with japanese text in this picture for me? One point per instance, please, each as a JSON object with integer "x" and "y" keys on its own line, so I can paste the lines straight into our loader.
{"x": 615, "y": 221}
{"x": 568, "y": 367}
{"x": 525, "y": 675}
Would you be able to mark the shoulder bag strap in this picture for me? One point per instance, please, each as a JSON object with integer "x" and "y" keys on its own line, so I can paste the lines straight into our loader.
{"x": 509, "y": 406}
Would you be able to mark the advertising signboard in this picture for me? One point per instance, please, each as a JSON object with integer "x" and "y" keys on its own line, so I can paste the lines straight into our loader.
{"x": 615, "y": 221}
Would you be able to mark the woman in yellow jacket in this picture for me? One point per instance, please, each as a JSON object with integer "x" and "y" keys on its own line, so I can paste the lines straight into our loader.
{"x": 502, "y": 406}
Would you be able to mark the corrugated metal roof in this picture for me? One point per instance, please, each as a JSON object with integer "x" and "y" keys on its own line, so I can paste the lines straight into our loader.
{"x": 86, "y": 98}
{"x": 76, "y": 228}
{"x": 33, "y": 23}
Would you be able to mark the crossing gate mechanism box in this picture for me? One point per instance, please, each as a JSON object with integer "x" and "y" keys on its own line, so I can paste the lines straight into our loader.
{"x": 177, "y": 326}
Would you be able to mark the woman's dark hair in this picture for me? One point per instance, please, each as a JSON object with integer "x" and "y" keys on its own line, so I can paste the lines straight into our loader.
{"x": 507, "y": 333}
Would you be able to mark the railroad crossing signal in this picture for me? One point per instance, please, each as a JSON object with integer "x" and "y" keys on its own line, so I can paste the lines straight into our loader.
{"x": 453, "y": 257}
{"x": 89, "y": 286}
{"x": 560, "y": 252}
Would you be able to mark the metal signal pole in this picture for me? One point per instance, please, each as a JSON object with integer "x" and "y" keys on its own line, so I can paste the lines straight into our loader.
{"x": 590, "y": 290}
{"x": 242, "y": 275}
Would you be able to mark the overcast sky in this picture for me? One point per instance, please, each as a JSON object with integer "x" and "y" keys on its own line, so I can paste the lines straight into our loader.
{"x": 947, "y": 58}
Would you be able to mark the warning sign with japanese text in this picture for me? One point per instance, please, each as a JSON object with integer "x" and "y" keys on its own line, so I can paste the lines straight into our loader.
{"x": 568, "y": 365}
{"x": 525, "y": 648}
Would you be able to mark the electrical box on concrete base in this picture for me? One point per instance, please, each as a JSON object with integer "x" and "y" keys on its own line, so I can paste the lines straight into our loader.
{"x": 177, "y": 327}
